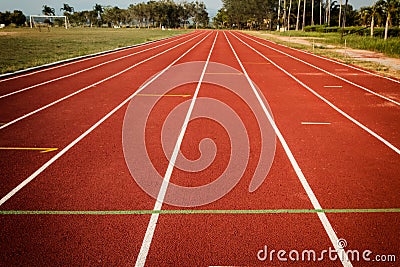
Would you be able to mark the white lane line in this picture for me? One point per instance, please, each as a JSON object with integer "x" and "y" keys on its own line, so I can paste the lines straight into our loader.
{"x": 316, "y": 123}
{"x": 325, "y": 71}
{"x": 90, "y": 130}
{"x": 335, "y": 61}
{"x": 359, "y": 124}
{"x": 90, "y": 86}
{"x": 322, "y": 216}
{"x": 87, "y": 69}
{"x": 71, "y": 61}
{"x": 333, "y": 86}
{"x": 144, "y": 250}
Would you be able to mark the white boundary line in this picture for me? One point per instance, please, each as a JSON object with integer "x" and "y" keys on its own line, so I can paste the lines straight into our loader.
{"x": 322, "y": 216}
{"x": 90, "y": 130}
{"x": 325, "y": 71}
{"x": 359, "y": 124}
{"x": 67, "y": 62}
{"x": 332, "y": 60}
{"x": 90, "y": 86}
{"x": 144, "y": 250}
{"x": 316, "y": 123}
{"x": 87, "y": 69}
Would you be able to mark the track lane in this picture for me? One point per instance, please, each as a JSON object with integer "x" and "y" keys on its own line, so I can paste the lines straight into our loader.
{"x": 375, "y": 81}
{"x": 78, "y": 183}
{"x": 356, "y": 105}
{"x": 79, "y": 113}
{"x": 349, "y": 170}
{"x": 226, "y": 240}
{"x": 20, "y": 105}
{"x": 93, "y": 176}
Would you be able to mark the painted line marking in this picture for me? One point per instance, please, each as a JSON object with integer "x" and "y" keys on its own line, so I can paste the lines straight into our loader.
{"x": 310, "y": 73}
{"x": 151, "y": 228}
{"x": 94, "y": 85}
{"x": 153, "y": 95}
{"x": 316, "y": 123}
{"x": 195, "y": 212}
{"x": 347, "y": 116}
{"x": 333, "y": 86}
{"x": 325, "y": 71}
{"x": 223, "y": 73}
{"x": 39, "y": 171}
{"x": 257, "y": 63}
{"x": 303, "y": 180}
{"x": 42, "y": 150}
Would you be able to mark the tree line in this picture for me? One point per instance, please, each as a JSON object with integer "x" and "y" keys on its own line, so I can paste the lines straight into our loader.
{"x": 296, "y": 14}
{"x": 17, "y": 18}
{"x": 163, "y": 13}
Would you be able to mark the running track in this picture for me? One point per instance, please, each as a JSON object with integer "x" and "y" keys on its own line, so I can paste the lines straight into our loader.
{"x": 68, "y": 198}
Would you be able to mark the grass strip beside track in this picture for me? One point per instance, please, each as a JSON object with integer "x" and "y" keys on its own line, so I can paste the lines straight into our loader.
{"x": 25, "y": 48}
{"x": 193, "y": 212}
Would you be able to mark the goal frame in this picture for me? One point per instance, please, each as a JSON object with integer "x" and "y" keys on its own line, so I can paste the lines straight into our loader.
{"x": 32, "y": 22}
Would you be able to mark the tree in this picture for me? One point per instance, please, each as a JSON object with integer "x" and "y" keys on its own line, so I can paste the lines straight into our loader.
{"x": 370, "y": 15}
{"x": 18, "y": 18}
{"x": 48, "y": 11}
{"x": 67, "y": 9}
{"x": 304, "y": 15}
{"x": 221, "y": 19}
{"x": 389, "y": 7}
{"x": 312, "y": 12}
{"x": 98, "y": 9}
{"x": 298, "y": 15}
{"x": 290, "y": 10}
{"x": 251, "y": 13}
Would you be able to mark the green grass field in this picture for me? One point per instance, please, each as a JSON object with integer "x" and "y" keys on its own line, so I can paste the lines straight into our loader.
{"x": 22, "y": 48}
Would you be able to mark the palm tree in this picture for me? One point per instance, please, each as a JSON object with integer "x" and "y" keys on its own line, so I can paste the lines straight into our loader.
{"x": 99, "y": 10}
{"x": 312, "y": 12}
{"x": 340, "y": 13}
{"x": 67, "y": 8}
{"x": 320, "y": 12}
{"x": 284, "y": 14}
{"x": 328, "y": 12}
{"x": 279, "y": 14}
{"x": 304, "y": 15}
{"x": 298, "y": 15}
{"x": 290, "y": 9}
{"x": 368, "y": 16}
{"x": 48, "y": 11}
{"x": 389, "y": 7}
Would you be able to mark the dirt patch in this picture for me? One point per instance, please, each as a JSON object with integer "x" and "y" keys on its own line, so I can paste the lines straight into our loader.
{"x": 363, "y": 55}
{"x": 386, "y": 65}
{"x": 307, "y": 41}
{"x": 7, "y": 33}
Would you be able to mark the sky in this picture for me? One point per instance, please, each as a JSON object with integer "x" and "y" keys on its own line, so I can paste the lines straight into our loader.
{"x": 34, "y": 7}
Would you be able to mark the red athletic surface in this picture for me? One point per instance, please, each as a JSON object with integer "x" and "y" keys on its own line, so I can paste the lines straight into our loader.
{"x": 346, "y": 167}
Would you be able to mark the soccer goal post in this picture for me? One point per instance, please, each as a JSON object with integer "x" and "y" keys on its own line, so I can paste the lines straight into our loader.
{"x": 35, "y": 20}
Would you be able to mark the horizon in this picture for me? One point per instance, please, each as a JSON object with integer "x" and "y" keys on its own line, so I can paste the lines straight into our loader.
{"x": 35, "y": 7}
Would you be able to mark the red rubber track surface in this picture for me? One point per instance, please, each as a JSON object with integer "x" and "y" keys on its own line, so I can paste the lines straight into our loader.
{"x": 346, "y": 167}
